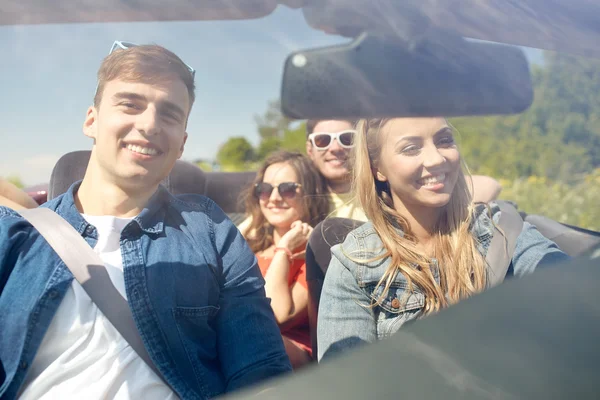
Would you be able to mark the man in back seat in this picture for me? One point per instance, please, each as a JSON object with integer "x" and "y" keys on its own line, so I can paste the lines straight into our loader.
{"x": 192, "y": 283}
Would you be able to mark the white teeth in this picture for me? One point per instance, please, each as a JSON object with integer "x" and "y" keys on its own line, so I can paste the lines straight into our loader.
{"x": 433, "y": 180}
{"x": 142, "y": 150}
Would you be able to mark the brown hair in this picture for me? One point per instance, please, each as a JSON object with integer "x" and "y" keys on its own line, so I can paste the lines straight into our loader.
{"x": 461, "y": 266}
{"x": 314, "y": 193}
{"x": 147, "y": 64}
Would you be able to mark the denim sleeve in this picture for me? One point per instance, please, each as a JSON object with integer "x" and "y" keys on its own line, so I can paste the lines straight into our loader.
{"x": 249, "y": 342}
{"x": 12, "y": 232}
{"x": 345, "y": 319}
{"x": 532, "y": 250}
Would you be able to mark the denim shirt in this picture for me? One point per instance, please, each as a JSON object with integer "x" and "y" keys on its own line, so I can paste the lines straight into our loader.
{"x": 193, "y": 286}
{"x": 345, "y": 317}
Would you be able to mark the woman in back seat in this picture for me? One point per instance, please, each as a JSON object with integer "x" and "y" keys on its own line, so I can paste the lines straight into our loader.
{"x": 287, "y": 199}
{"x": 424, "y": 246}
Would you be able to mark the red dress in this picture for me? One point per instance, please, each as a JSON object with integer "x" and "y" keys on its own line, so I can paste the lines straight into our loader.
{"x": 299, "y": 333}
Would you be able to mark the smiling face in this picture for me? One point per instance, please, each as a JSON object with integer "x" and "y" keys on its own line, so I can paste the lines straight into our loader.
{"x": 332, "y": 162}
{"x": 138, "y": 131}
{"x": 281, "y": 211}
{"x": 419, "y": 160}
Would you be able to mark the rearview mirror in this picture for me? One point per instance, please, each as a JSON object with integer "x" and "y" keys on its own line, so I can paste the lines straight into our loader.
{"x": 376, "y": 76}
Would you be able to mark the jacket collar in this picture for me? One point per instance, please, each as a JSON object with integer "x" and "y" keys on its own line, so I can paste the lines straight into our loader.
{"x": 150, "y": 219}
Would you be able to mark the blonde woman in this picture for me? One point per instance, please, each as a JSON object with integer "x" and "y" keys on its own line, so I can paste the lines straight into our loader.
{"x": 424, "y": 246}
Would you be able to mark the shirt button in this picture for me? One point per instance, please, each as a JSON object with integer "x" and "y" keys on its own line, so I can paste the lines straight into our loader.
{"x": 396, "y": 303}
{"x": 23, "y": 365}
{"x": 53, "y": 294}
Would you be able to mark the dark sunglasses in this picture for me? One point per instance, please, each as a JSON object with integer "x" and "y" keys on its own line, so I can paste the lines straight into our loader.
{"x": 287, "y": 190}
{"x": 322, "y": 140}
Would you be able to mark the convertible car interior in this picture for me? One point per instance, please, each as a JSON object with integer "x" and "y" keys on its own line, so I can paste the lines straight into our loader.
{"x": 534, "y": 337}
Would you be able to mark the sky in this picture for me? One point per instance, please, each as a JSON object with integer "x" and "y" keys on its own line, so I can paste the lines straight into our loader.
{"x": 48, "y": 78}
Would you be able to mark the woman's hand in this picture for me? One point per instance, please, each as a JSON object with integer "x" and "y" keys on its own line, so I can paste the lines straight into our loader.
{"x": 296, "y": 236}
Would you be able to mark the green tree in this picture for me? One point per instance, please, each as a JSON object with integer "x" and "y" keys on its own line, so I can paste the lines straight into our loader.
{"x": 278, "y": 132}
{"x": 267, "y": 146}
{"x": 15, "y": 180}
{"x": 272, "y": 123}
{"x": 557, "y": 138}
{"x": 235, "y": 153}
{"x": 204, "y": 165}
{"x": 294, "y": 139}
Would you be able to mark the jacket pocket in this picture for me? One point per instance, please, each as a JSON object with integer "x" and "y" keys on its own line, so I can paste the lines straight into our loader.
{"x": 195, "y": 326}
{"x": 398, "y": 306}
{"x": 199, "y": 338}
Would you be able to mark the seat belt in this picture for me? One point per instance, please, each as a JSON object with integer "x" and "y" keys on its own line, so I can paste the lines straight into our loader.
{"x": 89, "y": 270}
{"x": 502, "y": 246}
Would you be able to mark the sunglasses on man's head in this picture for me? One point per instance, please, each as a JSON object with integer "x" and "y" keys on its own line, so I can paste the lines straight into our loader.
{"x": 287, "y": 190}
{"x": 125, "y": 45}
{"x": 323, "y": 140}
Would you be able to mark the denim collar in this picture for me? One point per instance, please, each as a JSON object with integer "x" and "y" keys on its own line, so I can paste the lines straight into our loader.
{"x": 150, "y": 219}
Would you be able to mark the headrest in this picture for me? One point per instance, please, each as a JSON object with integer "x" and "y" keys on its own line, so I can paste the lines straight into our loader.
{"x": 184, "y": 178}
{"x": 225, "y": 188}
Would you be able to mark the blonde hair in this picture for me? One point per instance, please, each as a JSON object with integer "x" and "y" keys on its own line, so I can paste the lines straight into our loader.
{"x": 462, "y": 269}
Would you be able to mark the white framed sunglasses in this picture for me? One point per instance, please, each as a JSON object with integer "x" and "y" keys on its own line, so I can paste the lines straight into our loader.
{"x": 323, "y": 140}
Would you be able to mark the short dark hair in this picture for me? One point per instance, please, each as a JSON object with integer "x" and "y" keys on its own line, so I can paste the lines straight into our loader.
{"x": 310, "y": 126}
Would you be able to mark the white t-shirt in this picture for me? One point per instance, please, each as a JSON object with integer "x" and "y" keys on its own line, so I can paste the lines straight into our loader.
{"x": 82, "y": 355}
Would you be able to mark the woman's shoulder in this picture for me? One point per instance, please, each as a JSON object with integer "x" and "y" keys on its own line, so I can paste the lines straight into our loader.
{"x": 362, "y": 243}
{"x": 362, "y": 237}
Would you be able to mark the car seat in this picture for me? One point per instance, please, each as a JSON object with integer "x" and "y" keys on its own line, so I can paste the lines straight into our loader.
{"x": 326, "y": 234}
{"x": 572, "y": 240}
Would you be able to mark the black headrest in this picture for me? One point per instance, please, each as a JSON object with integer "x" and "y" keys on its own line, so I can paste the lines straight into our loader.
{"x": 224, "y": 188}
{"x": 326, "y": 234}
{"x": 68, "y": 169}
{"x": 184, "y": 178}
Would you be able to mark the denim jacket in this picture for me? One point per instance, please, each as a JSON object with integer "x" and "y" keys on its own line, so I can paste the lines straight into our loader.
{"x": 345, "y": 316}
{"x": 193, "y": 286}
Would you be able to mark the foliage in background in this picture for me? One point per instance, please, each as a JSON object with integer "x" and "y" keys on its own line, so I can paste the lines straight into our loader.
{"x": 573, "y": 204}
{"x": 15, "y": 180}
{"x": 235, "y": 154}
{"x": 276, "y": 132}
{"x": 557, "y": 138}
